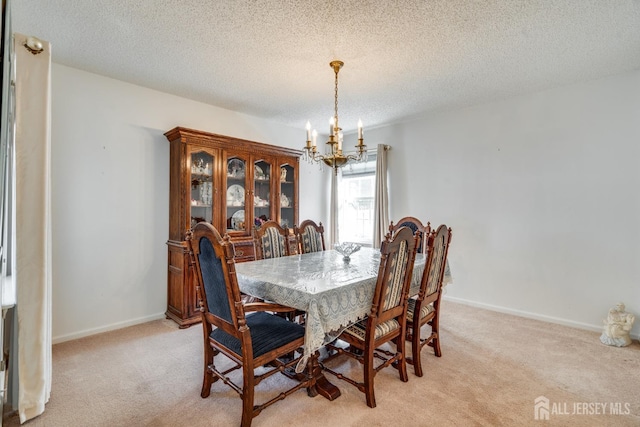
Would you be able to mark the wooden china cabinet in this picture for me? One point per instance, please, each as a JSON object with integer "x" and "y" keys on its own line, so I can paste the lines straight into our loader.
{"x": 231, "y": 183}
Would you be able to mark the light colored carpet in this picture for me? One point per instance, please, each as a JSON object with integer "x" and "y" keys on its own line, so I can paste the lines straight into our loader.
{"x": 493, "y": 368}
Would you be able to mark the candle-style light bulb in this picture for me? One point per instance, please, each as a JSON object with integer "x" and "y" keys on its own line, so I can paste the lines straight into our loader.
{"x": 331, "y": 126}
{"x": 315, "y": 137}
{"x": 308, "y": 131}
{"x": 360, "y": 129}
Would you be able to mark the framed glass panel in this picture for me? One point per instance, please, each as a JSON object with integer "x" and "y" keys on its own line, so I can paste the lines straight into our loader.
{"x": 261, "y": 192}
{"x": 236, "y": 194}
{"x": 287, "y": 195}
{"x": 201, "y": 187}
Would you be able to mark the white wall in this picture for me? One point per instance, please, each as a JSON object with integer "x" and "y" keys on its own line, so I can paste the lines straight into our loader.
{"x": 110, "y": 200}
{"x": 541, "y": 192}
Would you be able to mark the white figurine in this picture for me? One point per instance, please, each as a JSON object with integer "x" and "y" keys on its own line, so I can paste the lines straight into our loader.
{"x": 617, "y": 326}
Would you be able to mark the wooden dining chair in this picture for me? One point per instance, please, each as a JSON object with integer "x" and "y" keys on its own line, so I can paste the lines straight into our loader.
{"x": 271, "y": 240}
{"x": 386, "y": 322}
{"x": 245, "y": 333}
{"x": 310, "y": 236}
{"x": 427, "y": 303}
{"x": 414, "y": 224}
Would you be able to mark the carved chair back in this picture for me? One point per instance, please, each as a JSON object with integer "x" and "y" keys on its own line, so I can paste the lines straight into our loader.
{"x": 271, "y": 240}
{"x": 415, "y": 225}
{"x": 310, "y": 236}
{"x": 217, "y": 290}
{"x": 394, "y": 277}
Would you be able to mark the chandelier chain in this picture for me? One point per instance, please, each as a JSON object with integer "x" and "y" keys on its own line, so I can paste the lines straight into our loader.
{"x": 336, "y": 97}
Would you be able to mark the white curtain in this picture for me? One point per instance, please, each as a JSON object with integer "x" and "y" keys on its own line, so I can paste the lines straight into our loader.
{"x": 334, "y": 209}
{"x": 381, "y": 197}
{"x": 33, "y": 227}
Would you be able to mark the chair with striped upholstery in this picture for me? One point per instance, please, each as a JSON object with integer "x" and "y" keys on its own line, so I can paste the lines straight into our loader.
{"x": 310, "y": 236}
{"x": 255, "y": 340}
{"x": 386, "y": 322}
{"x": 427, "y": 303}
{"x": 271, "y": 240}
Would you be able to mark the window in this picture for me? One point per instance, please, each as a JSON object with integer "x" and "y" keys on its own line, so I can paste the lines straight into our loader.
{"x": 356, "y": 192}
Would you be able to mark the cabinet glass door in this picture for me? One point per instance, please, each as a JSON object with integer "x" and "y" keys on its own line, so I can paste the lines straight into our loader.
{"x": 261, "y": 192}
{"x": 236, "y": 199}
{"x": 287, "y": 195}
{"x": 201, "y": 187}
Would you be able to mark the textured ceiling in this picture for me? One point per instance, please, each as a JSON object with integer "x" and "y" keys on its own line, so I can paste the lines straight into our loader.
{"x": 402, "y": 58}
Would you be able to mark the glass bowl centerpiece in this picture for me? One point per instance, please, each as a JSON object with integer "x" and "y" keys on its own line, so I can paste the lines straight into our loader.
{"x": 346, "y": 249}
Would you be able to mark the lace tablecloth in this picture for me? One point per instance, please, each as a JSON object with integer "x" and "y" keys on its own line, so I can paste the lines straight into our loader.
{"x": 332, "y": 292}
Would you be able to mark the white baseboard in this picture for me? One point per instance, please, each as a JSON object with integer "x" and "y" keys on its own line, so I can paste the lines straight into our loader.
{"x": 107, "y": 328}
{"x": 520, "y": 313}
{"x": 529, "y": 315}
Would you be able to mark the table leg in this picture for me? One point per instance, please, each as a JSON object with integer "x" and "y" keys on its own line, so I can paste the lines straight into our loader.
{"x": 321, "y": 385}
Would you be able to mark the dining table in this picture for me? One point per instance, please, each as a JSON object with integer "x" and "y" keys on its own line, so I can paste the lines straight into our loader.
{"x": 333, "y": 292}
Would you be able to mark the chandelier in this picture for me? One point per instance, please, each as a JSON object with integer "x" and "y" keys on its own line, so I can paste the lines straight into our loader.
{"x": 334, "y": 156}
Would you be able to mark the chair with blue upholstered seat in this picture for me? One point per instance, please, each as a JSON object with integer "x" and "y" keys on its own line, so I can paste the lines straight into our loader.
{"x": 427, "y": 303}
{"x": 414, "y": 224}
{"x": 310, "y": 236}
{"x": 386, "y": 322}
{"x": 246, "y": 334}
